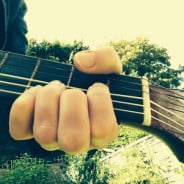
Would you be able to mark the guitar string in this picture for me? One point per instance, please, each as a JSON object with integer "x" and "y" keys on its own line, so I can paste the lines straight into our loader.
{"x": 166, "y": 92}
{"x": 152, "y": 102}
{"x": 116, "y": 101}
{"x": 178, "y": 96}
{"x": 170, "y": 101}
{"x": 53, "y": 62}
{"x": 44, "y": 82}
{"x": 69, "y": 69}
{"x": 167, "y": 117}
{"x": 82, "y": 89}
{"x": 182, "y": 132}
{"x": 157, "y": 111}
{"x": 71, "y": 87}
{"x": 123, "y": 110}
{"x": 60, "y": 69}
{"x": 63, "y": 70}
{"x": 164, "y": 88}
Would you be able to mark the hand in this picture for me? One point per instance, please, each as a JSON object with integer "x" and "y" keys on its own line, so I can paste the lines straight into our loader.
{"x": 69, "y": 119}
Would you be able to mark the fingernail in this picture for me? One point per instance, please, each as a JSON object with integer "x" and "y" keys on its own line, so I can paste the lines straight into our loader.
{"x": 51, "y": 147}
{"x": 56, "y": 82}
{"x": 85, "y": 59}
{"x": 100, "y": 85}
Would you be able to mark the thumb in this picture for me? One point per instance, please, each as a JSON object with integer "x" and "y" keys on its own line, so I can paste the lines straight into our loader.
{"x": 98, "y": 61}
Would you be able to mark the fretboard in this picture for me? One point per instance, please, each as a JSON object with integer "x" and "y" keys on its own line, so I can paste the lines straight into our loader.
{"x": 134, "y": 102}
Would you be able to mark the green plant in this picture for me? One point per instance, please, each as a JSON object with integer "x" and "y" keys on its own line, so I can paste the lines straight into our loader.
{"x": 126, "y": 136}
{"x": 84, "y": 170}
{"x": 26, "y": 170}
{"x": 138, "y": 168}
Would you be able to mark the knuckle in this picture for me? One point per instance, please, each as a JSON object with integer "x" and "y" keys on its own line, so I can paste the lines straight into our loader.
{"x": 74, "y": 92}
{"x": 73, "y": 145}
{"x": 98, "y": 89}
{"x": 44, "y": 135}
{"x": 21, "y": 103}
{"x": 50, "y": 90}
{"x": 101, "y": 131}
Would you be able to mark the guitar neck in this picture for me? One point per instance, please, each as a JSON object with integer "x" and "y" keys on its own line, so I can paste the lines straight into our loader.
{"x": 157, "y": 110}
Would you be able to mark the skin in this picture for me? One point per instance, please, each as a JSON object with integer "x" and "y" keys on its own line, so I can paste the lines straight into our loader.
{"x": 69, "y": 119}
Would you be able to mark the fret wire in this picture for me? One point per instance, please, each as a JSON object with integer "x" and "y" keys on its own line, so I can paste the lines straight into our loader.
{"x": 34, "y": 72}
{"x": 118, "y": 80}
{"x": 44, "y": 82}
{"x": 167, "y": 117}
{"x": 165, "y": 109}
{"x": 19, "y": 93}
{"x": 70, "y": 87}
{"x": 4, "y": 59}
{"x": 179, "y": 96}
{"x": 43, "y": 60}
{"x": 70, "y": 76}
{"x": 87, "y": 81}
{"x": 112, "y": 85}
{"x": 116, "y": 109}
{"x": 169, "y": 125}
{"x": 59, "y": 68}
{"x": 129, "y": 82}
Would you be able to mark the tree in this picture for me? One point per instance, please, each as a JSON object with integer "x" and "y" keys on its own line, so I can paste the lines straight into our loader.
{"x": 142, "y": 58}
{"x": 55, "y": 51}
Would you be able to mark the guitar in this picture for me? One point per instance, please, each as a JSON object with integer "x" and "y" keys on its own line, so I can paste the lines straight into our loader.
{"x": 155, "y": 109}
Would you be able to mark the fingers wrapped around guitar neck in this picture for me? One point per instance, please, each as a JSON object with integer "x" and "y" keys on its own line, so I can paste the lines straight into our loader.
{"x": 65, "y": 119}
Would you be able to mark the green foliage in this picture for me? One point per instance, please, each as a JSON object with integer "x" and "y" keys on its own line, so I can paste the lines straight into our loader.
{"x": 142, "y": 58}
{"x": 56, "y": 51}
{"x": 126, "y": 136}
{"x": 83, "y": 170}
{"x": 26, "y": 170}
{"x": 137, "y": 169}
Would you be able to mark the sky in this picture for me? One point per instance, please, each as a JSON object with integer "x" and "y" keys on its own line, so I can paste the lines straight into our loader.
{"x": 97, "y": 22}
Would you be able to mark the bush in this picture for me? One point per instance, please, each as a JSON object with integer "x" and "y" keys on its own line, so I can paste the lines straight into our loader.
{"x": 83, "y": 170}
{"x": 126, "y": 136}
{"x": 137, "y": 169}
{"x": 26, "y": 170}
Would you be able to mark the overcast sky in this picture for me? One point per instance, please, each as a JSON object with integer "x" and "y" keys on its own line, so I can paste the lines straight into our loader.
{"x": 99, "y": 21}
